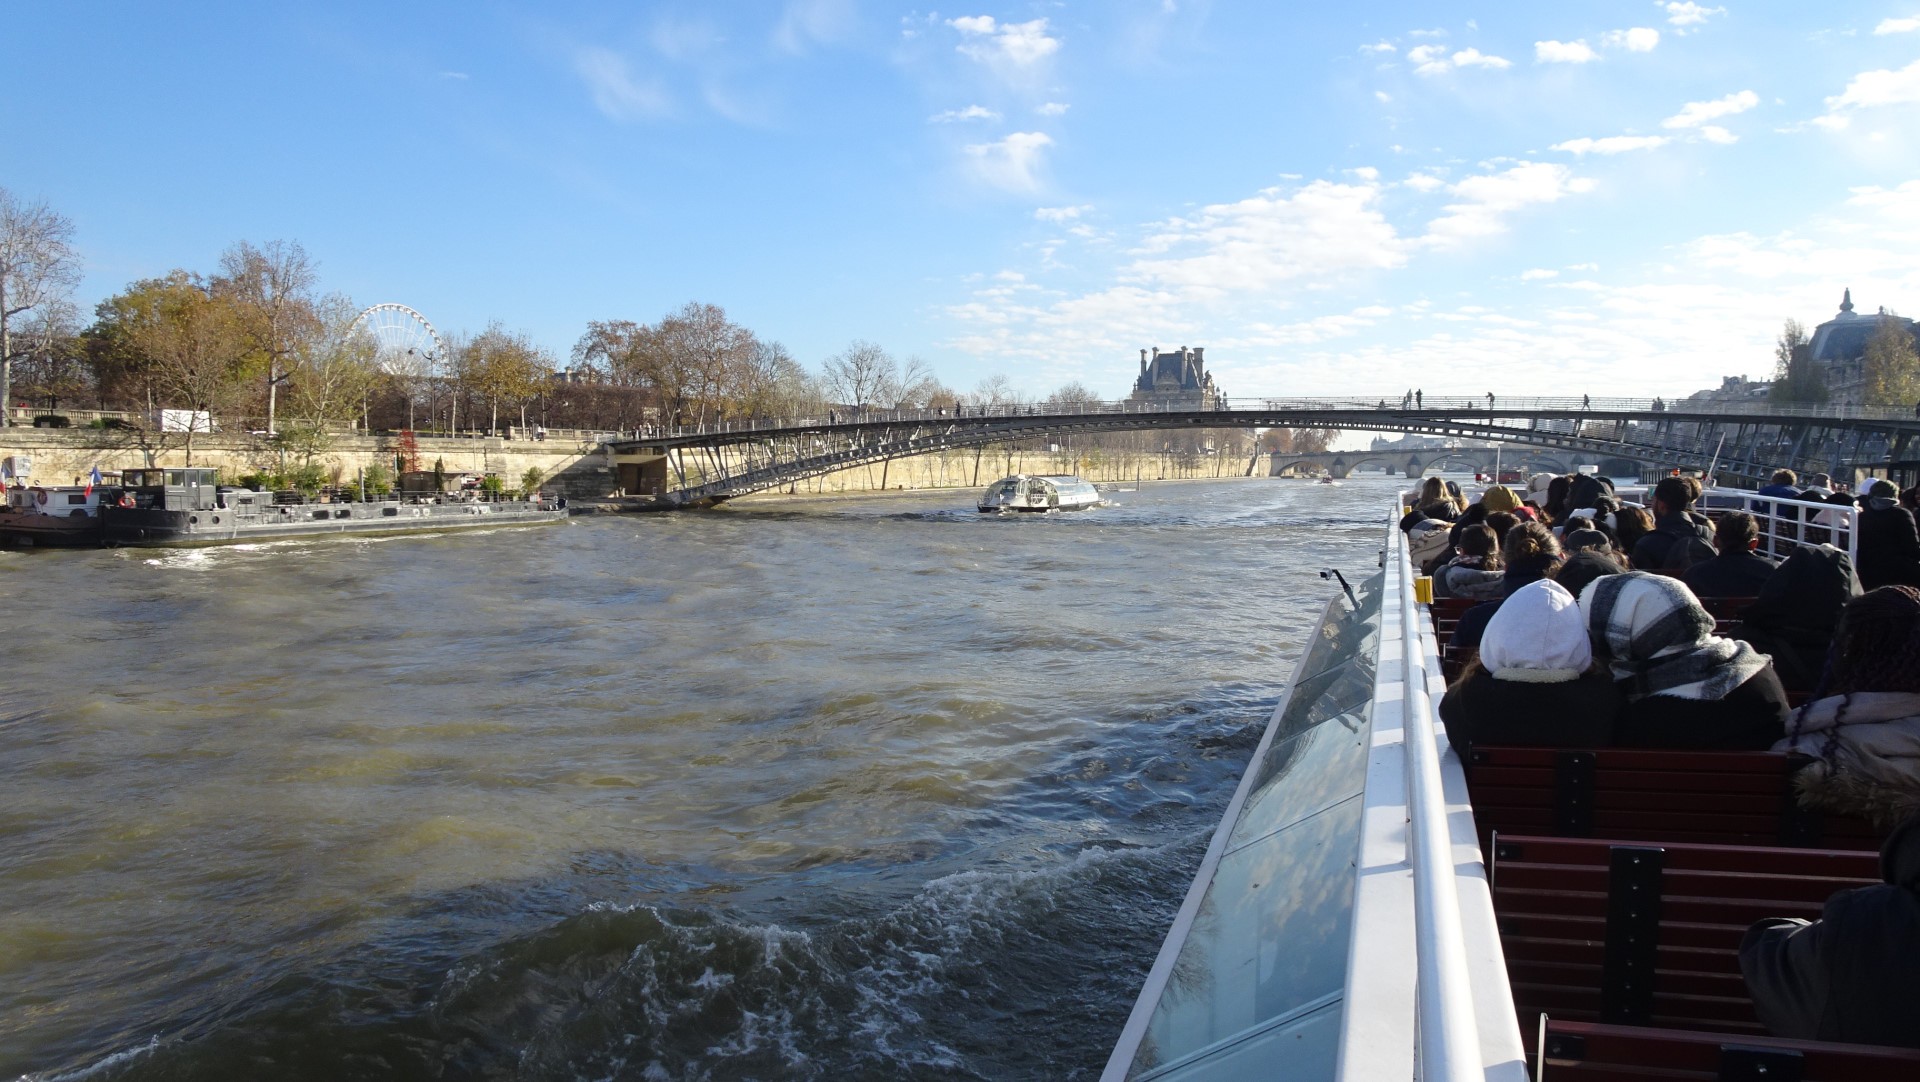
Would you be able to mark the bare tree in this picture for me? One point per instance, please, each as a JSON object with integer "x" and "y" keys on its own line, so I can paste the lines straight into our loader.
{"x": 1072, "y": 398}
{"x": 331, "y": 371}
{"x": 861, "y": 375}
{"x": 995, "y": 390}
{"x": 273, "y": 288}
{"x": 38, "y": 266}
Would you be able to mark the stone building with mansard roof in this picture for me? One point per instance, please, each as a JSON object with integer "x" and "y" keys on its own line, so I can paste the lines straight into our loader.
{"x": 1177, "y": 379}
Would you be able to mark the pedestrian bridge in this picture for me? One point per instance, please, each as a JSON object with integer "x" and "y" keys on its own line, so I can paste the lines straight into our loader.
{"x": 1414, "y": 462}
{"x": 705, "y": 464}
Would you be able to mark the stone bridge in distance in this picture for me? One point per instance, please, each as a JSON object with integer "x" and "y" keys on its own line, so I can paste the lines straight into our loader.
{"x": 704, "y": 465}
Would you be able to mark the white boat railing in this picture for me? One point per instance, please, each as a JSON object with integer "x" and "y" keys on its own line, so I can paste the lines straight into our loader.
{"x": 1421, "y": 889}
{"x": 1784, "y": 523}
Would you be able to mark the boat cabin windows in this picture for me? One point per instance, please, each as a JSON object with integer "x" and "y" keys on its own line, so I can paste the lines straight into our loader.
{"x": 175, "y": 488}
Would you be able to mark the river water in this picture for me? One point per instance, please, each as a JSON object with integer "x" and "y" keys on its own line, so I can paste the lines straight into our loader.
{"x": 857, "y": 789}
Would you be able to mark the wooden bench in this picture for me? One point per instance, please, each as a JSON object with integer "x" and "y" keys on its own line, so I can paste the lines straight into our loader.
{"x": 1582, "y": 1052}
{"x": 1634, "y": 933}
{"x": 1654, "y": 795}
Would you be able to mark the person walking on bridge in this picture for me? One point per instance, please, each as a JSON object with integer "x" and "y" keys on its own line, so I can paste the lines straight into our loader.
{"x": 1419, "y": 400}
{"x": 1489, "y": 401}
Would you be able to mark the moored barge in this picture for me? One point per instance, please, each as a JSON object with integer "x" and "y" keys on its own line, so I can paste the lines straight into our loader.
{"x": 176, "y": 506}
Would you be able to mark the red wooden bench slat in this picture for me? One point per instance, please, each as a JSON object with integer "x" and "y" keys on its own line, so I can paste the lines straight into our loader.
{"x": 1853, "y": 865}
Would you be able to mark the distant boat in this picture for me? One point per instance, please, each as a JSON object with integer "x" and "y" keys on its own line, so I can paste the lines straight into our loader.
{"x": 1040, "y": 492}
{"x": 51, "y": 515}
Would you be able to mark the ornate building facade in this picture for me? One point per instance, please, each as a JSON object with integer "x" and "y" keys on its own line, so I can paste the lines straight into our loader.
{"x": 1839, "y": 350}
{"x": 1178, "y": 379}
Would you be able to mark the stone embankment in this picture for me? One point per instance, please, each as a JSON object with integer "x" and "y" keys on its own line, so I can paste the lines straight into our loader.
{"x": 580, "y": 469}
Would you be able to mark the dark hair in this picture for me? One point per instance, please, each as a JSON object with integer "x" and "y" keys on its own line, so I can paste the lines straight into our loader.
{"x": 1581, "y": 540}
{"x": 1528, "y": 541}
{"x": 1501, "y": 522}
{"x": 1676, "y": 492}
{"x": 1606, "y": 505}
{"x": 1785, "y": 477}
{"x": 1558, "y": 490}
{"x": 1478, "y": 541}
{"x": 1444, "y": 510}
{"x": 1630, "y": 525}
{"x": 1910, "y": 498}
{"x": 1574, "y": 524}
{"x": 1882, "y": 489}
{"x": 1735, "y": 532}
{"x": 1584, "y": 566}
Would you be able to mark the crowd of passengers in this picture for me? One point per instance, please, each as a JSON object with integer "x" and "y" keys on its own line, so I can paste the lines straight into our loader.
{"x": 1593, "y": 630}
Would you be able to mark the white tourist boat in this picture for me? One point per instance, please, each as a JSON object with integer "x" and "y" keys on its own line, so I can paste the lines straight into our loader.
{"x": 1040, "y": 492}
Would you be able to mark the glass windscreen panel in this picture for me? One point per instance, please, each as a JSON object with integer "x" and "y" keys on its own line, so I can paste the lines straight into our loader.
{"x": 1266, "y": 955}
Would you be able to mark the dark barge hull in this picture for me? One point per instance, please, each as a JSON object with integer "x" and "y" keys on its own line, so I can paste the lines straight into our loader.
{"x": 154, "y": 527}
{"x": 53, "y": 534}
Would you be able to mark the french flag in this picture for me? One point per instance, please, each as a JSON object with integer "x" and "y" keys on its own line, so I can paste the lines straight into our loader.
{"x": 92, "y": 480}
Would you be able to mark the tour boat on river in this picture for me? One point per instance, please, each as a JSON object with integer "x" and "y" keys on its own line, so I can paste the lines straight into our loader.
{"x": 174, "y": 506}
{"x": 1040, "y": 492}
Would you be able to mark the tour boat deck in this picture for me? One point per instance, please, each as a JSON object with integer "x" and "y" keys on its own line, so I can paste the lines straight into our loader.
{"x": 1374, "y": 907}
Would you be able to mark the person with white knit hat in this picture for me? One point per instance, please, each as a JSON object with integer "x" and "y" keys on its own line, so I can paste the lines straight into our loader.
{"x": 1685, "y": 686}
{"x": 1533, "y": 682}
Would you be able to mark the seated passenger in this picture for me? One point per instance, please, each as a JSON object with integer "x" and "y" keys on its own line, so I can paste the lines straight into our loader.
{"x": 1630, "y": 524}
{"x": 1582, "y": 567}
{"x": 1797, "y": 612}
{"x": 1585, "y": 538}
{"x": 1500, "y": 522}
{"x": 1474, "y": 573}
{"x": 1685, "y": 686}
{"x": 1736, "y": 571}
{"x": 1851, "y": 975}
{"x": 1679, "y": 537}
{"x": 1534, "y": 683}
{"x": 1863, "y": 733}
{"x": 1889, "y": 544}
{"x": 1782, "y": 486}
{"x": 1527, "y": 555}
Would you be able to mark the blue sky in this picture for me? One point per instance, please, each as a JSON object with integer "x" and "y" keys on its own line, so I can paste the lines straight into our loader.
{"x": 1570, "y": 197}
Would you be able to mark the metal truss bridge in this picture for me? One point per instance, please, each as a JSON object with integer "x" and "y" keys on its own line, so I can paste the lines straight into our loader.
{"x": 703, "y": 465}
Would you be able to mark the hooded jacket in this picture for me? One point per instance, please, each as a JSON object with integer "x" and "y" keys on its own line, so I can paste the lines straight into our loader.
{"x": 1854, "y": 974}
{"x": 1467, "y": 576}
{"x": 1889, "y": 545}
{"x": 1734, "y": 573}
{"x": 1473, "y": 622}
{"x": 1685, "y": 686}
{"x": 1797, "y": 612}
{"x": 1865, "y": 748}
{"x": 1533, "y": 685}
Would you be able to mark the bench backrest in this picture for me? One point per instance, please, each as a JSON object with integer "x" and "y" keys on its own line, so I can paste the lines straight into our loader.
{"x": 1654, "y": 795}
{"x": 1641, "y": 934}
{"x": 1576, "y": 1052}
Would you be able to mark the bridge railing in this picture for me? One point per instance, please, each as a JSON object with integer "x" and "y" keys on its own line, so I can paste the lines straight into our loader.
{"x": 1497, "y": 408}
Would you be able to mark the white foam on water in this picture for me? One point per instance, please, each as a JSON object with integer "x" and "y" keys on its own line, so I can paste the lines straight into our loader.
{"x": 116, "y": 1059}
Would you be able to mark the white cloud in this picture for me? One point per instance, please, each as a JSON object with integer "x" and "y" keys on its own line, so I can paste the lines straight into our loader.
{"x": 1012, "y": 162}
{"x": 459, "y": 76}
{"x": 1537, "y": 274}
{"x": 1367, "y": 173}
{"x": 1015, "y": 45}
{"x": 1583, "y": 267}
{"x": 971, "y": 112}
{"x": 1484, "y": 201}
{"x": 1059, "y": 214}
{"x": 1434, "y": 33}
{"x": 1563, "y": 52}
{"x": 1474, "y": 58}
{"x": 1639, "y": 39}
{"x": 1612, "y": 144}
{"x": 1714, "y": 133}
{"x": 1688, "y": 13}
{"x": 1423, "y": 182}
{"x": 1695, "y": 113}
{"x": 1052, "y": 108}
{"x": 1898, "y": 26}
{"x": 1433, "y": 59}
{"x": 1378, "y": 47}
{"x": 1382, "y": 97}
{"x": 1870, "y": 89}
{"x": 616, "y": 92}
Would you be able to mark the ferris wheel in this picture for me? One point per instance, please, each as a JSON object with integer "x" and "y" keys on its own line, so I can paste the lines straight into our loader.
{"x": 405, "y": 343}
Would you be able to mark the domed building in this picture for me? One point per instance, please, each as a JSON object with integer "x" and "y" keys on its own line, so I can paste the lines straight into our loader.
{"x": 1839, "y": 350}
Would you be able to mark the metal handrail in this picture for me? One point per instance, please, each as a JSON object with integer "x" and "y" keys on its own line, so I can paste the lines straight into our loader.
{"x": 1449, "y": 1036}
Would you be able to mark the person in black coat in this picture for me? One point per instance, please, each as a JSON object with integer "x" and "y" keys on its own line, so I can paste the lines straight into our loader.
{"x": 1737, "y": 571}
{"x": 1889, "y": 543}
{"x": 1854, "y": 974}
{"x": 1533, "y": 683}
{"x": 1674, "y": 523}
{"x": 1685, "y": 686}
{"x": 1797, "y": 614}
